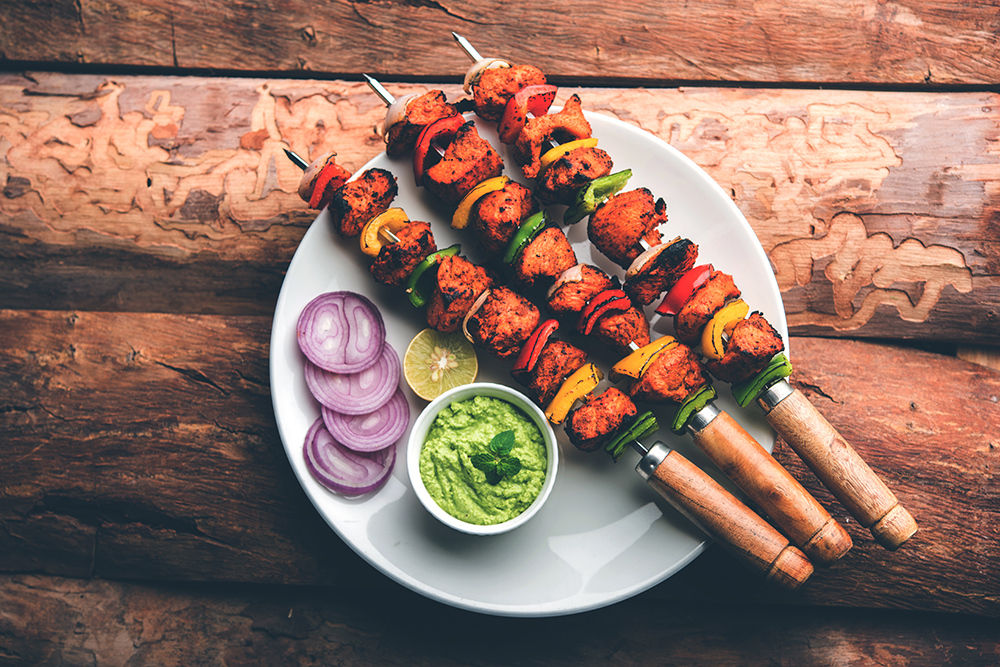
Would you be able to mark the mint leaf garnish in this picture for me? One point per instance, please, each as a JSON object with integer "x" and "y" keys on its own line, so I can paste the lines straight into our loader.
{"x": 497, "y": 462}
{"x": 502, "y": 443}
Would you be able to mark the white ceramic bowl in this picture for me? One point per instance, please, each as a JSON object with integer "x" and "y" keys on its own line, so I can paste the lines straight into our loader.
{"x": 423, "y": 424}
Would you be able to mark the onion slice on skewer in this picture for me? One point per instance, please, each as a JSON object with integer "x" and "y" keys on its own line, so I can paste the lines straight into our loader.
{"x": 341, "y": 469}
{"x": 356, "y": 393}
{"x": 372, "y": 431}
{"x": 341, "y": 332}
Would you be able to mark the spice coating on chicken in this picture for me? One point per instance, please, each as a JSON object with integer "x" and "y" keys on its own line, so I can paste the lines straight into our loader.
{"x": 496, "y": 86}
{"x": 594, "y": 422}
{"x": 396, "y": 261}
{"x": 420, "y": 112}
{"x": 544, "y": 258}
{"x": 503, "y": 323}
{"x": 560, "y": 182}
{"x": 703, "y": 304}
{"x": 459, "y": 284}
{"x": 618, "y": 329}
{"x": 358, "y": 201}
{"x": 572, "y": 294}
{"x": 497, "y": 215}
{"x": 555, "y": 363}
{"x": 468, "y": 161}
{"x": 751, "y": 346}
{"x": 673, "y": 375}
{"x": 664, "y": 267}
{"x": 569, "y": 123}
{"x": 618, "y": 224}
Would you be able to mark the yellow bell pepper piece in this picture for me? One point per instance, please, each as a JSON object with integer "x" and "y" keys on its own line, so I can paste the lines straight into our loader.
{"x": 374, "y": 236}
{"x": 460, "y": 219}
{"x": 723, "y": 322}
{"x": 575, "y": 387}
{"x": 635, "y": 364}
{"x": 559, "y": 151}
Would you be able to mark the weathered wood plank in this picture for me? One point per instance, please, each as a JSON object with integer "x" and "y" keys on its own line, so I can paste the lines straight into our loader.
{"x": 921, "y": 42}
{"x": 50, "y": 621}
{"x": 143, "y": 446}
{"x": 878, "y": 210}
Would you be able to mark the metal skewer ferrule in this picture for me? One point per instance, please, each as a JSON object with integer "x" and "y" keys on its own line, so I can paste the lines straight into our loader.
{"x": 380, "y": 90}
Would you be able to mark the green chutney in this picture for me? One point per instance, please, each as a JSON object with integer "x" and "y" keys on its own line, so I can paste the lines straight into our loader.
{"x": 465, "y": 428}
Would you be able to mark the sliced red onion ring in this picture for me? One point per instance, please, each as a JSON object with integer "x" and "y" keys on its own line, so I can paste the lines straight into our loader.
{"x": 343, "y": 470}
{"x": 341, "y": 332}
{"x": 356, "y": 393}
{"x": 373, "y": 431}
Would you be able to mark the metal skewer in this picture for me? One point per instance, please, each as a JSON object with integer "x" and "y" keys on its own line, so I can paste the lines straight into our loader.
{"x": 299, "y": 162}
{"x": 469, "y": 49}
{"x": 380, "y": 90}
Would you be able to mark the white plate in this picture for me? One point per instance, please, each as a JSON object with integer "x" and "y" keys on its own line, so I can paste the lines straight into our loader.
{"x": 604, "y": 535}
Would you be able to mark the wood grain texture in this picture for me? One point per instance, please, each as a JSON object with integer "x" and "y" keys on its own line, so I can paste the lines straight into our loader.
{"x": 143, "y": 446}
{"x": 773, "y": 489}
{"x": 920, "y": 42}
{"x": 877, "y": 210}
{"x": 733, "y": 525}
{"x": 52, "y": 621}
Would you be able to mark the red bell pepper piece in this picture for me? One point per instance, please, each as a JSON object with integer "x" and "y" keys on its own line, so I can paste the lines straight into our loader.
{"x": 609, "y": 299}
{"x": 683, "y": 289}
{"x": 535, "y": 100}
{"x": 532, "y": 349}
{"x": 331, "y": 177}
{"x": 423, "y": 156}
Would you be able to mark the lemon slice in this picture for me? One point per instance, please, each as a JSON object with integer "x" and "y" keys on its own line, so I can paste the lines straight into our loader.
{"x": 435, "y": 362}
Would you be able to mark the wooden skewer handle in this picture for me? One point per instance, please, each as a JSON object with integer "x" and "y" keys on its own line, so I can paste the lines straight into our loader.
{"x": 772, "y": 488}
{"x": 722, "y": 516}
{"x": 838, "y": 466}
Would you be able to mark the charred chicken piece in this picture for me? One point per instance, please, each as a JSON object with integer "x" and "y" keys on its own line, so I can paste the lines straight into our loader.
{"x": 503, "y": 322}
{"x": 555, "y": 363}
{"x": 591, "y": 424}
{"x": 497, "y": 86}
{"x": 420, "y": 112}
{"x": 543, "y": 259}
{"x": 567, "y": 125}
{"x": 395, "y": 261}
{"x": 617, "y": 330}
{"x": 703, "y": 304}
{"x": 356, "y": 202}
{"x": 564, "y": 177}
{"x": 498, "y": 214}
{"x": 751, "y": 346}
{"x": 468, "y": 160}
{"x": 618, "y": 224}
{"x": 673, "y": 375}
{"x": 459, "y": 284}
{"x": 573, "y": 290}
{"x": 659, "y": 268}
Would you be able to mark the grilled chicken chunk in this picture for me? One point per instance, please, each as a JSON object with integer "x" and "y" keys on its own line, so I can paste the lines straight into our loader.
{"x": 594, "y": 422}
{"x": 358, "y": 201}
{"x": 468, "y": 161}
{"x": 560, "y": 182}
{"x": 459, "y": 284}
{"x": 497, "y": 86}
{"x": 566, "y": 125}
{"x": 555, "y": 363}
{"x": 503, "y": 323}
{"x": 618, "y": 224}
{"x": 420, "y": 112}
{"x": 673, "y": 375}
{"x": 496, "y": 216}
{"x": 543, "y": 259}
{"x": 752, "y": 344}
{"x": 396, "y": 261}
{"x": 703, "y": 304}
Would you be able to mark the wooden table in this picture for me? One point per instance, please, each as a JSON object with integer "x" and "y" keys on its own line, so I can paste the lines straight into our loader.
{"x": 147, "y": 510}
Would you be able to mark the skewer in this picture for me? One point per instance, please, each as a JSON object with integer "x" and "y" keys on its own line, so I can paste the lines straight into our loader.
{"x": 825, "y": 451}
{"x": 717, "y": 512}
{"x": 758, "y": 474}
{"x": 296, "y": 160}
{"x": 379, "y": 90}
{"x": 469, "y": 49}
